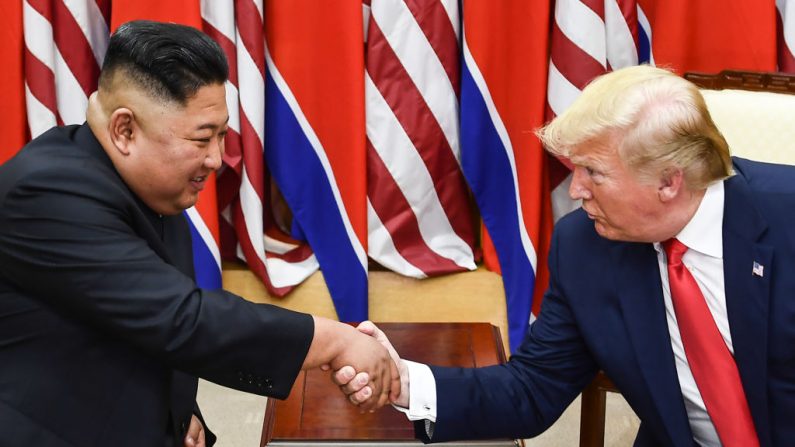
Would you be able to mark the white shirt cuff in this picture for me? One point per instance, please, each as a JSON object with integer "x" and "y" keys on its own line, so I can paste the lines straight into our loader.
{"x": 422, "y": 393}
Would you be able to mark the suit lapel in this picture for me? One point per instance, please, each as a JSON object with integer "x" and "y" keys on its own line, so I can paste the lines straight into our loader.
{"x": 747, "y": 296}
{"x": 640, "y": 294}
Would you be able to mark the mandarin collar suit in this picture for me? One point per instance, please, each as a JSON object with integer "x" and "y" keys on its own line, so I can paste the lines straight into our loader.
{"x": 604, "y": 310}
{"x": 103, "y": 331}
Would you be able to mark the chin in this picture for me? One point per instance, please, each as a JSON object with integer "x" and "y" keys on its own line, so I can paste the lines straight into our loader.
{"x": 605, "y": 232}
{"x": 187, "y": 203}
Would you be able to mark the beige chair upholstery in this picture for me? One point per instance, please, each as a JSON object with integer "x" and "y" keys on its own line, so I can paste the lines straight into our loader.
{"x": 754, "y": 111}
{"x": 757, "y": 125}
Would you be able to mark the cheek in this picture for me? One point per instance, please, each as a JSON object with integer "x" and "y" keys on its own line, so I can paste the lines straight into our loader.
{"x": 614, "y": 204}
{"x": 181, "y": 162}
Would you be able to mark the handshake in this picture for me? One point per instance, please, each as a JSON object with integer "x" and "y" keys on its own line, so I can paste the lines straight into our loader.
{"x": 365, "y": 366}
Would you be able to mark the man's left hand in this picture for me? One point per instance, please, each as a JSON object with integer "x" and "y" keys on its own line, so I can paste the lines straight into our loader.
{"x": 195, "y": 436}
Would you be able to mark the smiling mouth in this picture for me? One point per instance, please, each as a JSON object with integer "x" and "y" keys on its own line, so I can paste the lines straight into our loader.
{"x": 198, "y": 182}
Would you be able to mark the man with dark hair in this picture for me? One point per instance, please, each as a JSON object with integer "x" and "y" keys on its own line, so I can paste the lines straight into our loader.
{"x": 103, "y": 330}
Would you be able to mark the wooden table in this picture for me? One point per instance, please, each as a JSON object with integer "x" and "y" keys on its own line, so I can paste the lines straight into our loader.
{"x": 317, "y": 413}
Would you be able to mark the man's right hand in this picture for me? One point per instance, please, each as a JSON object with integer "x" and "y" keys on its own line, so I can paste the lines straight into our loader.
{"x": 339, "y": 345}
{"x": 355, "y": 386}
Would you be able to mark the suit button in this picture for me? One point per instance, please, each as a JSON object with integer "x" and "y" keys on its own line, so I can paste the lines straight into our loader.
{"x": 183, "y": 427}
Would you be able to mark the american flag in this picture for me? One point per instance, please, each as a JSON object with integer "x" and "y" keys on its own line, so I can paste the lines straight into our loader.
{"x": 365, "y": 131}
{"x": 248, "y": 228}
{"x": 758, "y": 269}
{"x": 419, "y": 220}
{"x": 65, "y": 42}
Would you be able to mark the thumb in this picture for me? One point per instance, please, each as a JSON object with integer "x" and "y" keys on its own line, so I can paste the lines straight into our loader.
{"x": 367, "y": 327}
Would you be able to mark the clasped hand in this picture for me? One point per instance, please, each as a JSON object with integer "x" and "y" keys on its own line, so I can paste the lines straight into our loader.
{"x": 359, "y": 386}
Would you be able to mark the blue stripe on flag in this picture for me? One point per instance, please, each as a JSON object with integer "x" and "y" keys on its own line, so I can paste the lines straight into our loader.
{"x": 644, "y": 50}
{"x": 300, "y": 175}
{"x": 208, "y": 276}
{"x": 488, "y": 171}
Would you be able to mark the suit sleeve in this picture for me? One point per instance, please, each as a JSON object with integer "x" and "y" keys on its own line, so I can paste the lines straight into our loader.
{"x": 523, "y": 397}
{"x": 68, "y": 240}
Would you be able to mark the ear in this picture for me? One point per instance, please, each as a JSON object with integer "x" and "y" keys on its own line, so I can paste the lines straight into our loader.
{"x": 672, "y": 182}
{"x": 120, "y": 127}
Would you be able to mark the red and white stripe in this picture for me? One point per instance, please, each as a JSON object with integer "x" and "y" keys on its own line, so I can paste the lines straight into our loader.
{"x": 785, "y": 18}
{"x": 418, "y": 211}
{"x": 589, "y": 38}
{"x": 65, "y": 41}
{"x": 243, "y": 183}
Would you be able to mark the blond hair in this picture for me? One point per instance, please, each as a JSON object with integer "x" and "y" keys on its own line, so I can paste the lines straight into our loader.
{"x": 660, "y": 119}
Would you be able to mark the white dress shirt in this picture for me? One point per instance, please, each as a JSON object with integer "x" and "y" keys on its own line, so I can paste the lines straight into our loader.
{"x": 703, "y": 236}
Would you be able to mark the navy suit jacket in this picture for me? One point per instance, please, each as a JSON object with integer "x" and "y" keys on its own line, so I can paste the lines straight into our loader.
{"x": 102, "y": 329}
{"x": 604, "y": 310}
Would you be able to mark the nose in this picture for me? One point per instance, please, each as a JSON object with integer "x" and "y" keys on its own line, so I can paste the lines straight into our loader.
{"x": 579, "y": 185}
{"x": 215, "y": 155}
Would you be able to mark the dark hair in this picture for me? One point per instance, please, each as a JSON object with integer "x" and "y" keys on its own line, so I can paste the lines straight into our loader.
{"x": 167, "y": 60}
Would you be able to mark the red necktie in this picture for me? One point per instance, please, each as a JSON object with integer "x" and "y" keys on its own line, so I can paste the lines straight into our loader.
{"x": 711, "y": 362}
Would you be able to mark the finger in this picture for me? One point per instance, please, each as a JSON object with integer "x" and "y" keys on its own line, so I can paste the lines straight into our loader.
{"x": 201, "y": 441}
{"x": 343, "y": 375}
{"x": 357, "y": 383}
{"x": 380, "y": 394}
{"x": 361, "y": 396}
{"x": 367, "y": 327}
{"x": 395, "y": 384}
{"x": 380, "y": 400}
{"x": 194, "y": 430}
{"x": 383, "y": 401}
{"x": 375, "y": 386}
{"x": 386, "y": 388}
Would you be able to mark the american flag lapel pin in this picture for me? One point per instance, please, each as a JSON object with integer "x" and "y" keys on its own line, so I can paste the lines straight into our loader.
{"x": 758, "y": 270}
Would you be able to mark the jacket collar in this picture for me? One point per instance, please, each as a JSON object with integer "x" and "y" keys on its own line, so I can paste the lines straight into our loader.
{"x": 747, "y": 270}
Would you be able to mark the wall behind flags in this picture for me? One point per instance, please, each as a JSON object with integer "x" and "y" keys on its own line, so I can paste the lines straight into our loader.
{"x": 385, "y": 132}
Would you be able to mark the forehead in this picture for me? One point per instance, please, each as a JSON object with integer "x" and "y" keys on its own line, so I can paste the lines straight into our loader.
{"x": 208, "y": 97}
{"x": 601, "y": 150}
{"x": 207, "y": 108}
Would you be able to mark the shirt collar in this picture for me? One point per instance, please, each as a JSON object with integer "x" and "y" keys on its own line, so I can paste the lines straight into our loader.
{"x": 704, "y": 232}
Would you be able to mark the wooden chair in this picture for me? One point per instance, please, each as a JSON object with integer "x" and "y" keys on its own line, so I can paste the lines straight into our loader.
{"x": 755, "y": 112}
{"x": 592, "y": 411}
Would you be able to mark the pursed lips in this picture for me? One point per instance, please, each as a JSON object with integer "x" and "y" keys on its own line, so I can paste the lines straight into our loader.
{"x": 590, "y": 215}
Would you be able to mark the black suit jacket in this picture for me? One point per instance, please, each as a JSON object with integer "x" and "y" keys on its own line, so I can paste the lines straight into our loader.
{"x": 604, "y": 309}
{"x": 102, "y": 328}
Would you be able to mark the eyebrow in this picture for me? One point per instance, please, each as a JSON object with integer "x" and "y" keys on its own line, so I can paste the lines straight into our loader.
{"x": 589, "y": 161}
{"x": 211, "y": 125}
{"x": 581, "y": 160}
